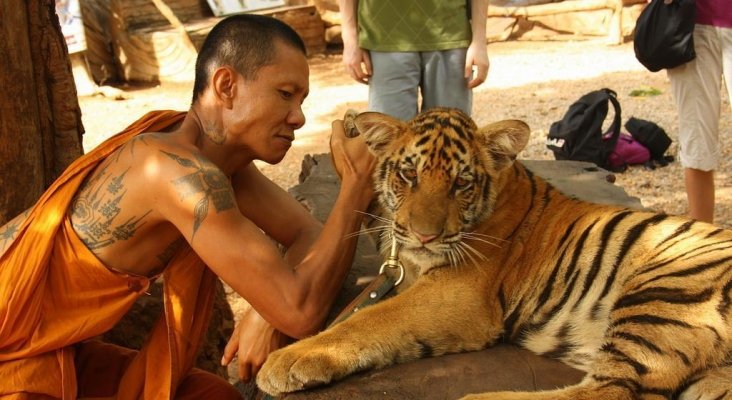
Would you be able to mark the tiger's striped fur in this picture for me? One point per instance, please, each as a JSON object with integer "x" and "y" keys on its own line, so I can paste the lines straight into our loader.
{"x": 641, "y": 301}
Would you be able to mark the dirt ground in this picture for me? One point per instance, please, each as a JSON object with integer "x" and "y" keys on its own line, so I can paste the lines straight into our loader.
{"x": 531, "y": 81}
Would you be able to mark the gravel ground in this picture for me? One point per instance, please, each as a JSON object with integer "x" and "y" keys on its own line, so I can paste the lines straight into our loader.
{"x": 532, "y": 81}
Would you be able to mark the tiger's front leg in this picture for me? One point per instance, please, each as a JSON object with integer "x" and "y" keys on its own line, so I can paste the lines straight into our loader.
{"x": 438, "y": 315}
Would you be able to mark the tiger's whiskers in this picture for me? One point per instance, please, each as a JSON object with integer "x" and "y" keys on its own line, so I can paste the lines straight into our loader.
{"x": 384, "y": 230}
{"x": 477, "y": 234}
{"x": 374, "y": 216}
{"x": 479, "y": 237}
{"x": 473, "y": 252}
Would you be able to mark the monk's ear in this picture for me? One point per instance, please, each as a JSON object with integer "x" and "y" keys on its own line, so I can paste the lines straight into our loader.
{"x": 378, "y": 130}
{"x": 223, "y": 85}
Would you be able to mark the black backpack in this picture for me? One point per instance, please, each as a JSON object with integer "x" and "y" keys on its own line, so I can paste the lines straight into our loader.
{"x": 578, "y": 135}
{"x": 652, "y": 136}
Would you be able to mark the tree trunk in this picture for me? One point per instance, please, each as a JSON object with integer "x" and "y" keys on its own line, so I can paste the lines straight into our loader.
{"x": 40, "y": 118}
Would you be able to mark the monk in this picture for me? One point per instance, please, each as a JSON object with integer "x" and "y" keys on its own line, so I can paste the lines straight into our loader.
{"x": 177, "y": 195}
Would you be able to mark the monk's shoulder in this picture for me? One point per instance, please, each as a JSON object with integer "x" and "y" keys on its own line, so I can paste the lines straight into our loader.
{"x": 156, "y": 158}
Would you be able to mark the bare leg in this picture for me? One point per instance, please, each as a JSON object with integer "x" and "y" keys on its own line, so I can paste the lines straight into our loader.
{"x": 700, "y": 193}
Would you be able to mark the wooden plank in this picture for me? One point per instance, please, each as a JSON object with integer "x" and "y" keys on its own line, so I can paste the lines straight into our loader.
{"x": 594, "y": 17}
{"x": 153, "y": 48}
{"x": 170, "y": 16}
{"x": 566, "y": 6}
{"x": 306, "y": 21}
{"x": 136, "y": 14}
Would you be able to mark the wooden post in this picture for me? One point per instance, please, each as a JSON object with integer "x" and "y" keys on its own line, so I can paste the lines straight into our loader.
{"x": 615, "y": 30}
{"x": 40, "y": 118}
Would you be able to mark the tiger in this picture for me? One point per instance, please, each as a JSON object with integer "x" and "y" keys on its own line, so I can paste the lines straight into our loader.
{"x": 639, "y": 300}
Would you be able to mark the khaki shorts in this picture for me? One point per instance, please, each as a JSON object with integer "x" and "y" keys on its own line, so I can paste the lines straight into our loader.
{"x": 400, "y": 78}
{"x": 696, "y": 88}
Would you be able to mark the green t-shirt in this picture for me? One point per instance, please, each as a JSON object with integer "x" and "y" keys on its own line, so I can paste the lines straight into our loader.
{"x": 413, "y": 25}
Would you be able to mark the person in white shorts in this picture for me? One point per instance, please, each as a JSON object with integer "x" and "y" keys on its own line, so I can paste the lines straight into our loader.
{"x": 407, "y": 49}
{"x": 696, "y": 88}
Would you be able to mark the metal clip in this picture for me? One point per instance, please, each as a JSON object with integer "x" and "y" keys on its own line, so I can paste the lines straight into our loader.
{"x": 393, "y": 261}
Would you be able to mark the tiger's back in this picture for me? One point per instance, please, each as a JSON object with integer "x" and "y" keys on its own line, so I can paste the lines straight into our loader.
{"x": 600, "y": 282}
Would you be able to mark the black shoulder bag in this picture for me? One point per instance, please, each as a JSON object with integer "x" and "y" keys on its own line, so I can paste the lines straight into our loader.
{"x": 664, "y": 34}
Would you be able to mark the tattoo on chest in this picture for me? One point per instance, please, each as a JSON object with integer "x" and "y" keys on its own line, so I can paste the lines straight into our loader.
{"x": 207, "y": 180}
{"x": 95, "y": 210}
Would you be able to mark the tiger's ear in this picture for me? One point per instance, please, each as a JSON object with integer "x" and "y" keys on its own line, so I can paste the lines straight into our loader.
{"x": 504, "y": 140}
{"x": 378, "y": 130}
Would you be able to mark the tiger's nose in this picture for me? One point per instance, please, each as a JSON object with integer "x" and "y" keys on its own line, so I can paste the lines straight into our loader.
{"x": 424, "y": 237}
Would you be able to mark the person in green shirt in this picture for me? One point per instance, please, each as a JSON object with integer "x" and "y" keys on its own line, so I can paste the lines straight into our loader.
{"x": 407, "y": 49}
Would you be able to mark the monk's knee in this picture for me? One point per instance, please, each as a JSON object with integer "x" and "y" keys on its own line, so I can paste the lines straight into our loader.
{"x": 99, "y": 367}
{"x": 199, "y": 384}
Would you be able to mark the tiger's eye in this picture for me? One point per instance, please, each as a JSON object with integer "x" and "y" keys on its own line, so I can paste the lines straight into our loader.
{"x": 462, "y": 183}
{"x": 408, "y": 174}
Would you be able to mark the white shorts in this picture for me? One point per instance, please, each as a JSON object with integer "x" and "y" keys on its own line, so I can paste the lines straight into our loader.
{"x": 399, "y": 78}
{"x": 696, "y": 88}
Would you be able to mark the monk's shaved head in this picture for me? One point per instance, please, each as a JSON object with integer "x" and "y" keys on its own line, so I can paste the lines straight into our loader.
{"x": 244, "y": 42}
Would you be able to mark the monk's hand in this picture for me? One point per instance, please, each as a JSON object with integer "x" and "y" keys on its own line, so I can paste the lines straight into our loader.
{"x": 253, "y": 339}
{"x": 351, "y": 156}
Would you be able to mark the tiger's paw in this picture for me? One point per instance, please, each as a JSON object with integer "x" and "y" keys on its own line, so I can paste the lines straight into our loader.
{"x": 294, "y": 368}
{"x": 501, "y": 396}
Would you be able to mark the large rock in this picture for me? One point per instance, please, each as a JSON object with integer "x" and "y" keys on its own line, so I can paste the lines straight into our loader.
{"x": 503, "y": 367}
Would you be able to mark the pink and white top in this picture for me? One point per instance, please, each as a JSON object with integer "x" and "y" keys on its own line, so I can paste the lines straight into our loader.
{"x": 714, "y": 12}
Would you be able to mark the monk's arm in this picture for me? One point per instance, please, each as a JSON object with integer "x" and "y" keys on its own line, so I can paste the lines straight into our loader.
{"x": 275, "y": 211}
{"x": 295, "y": 299}
{"x": 319, "y": 256}
{"x": 10, "y": 230}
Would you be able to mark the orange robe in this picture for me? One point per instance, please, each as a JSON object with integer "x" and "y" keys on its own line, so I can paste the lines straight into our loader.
{"x": 55, "y": 293}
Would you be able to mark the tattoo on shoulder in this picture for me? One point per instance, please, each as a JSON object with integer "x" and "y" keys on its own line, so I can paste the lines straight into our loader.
{"x": 205, "y": 180}
{"x": 95, "y": 209}
{"x": 130, "y": 146}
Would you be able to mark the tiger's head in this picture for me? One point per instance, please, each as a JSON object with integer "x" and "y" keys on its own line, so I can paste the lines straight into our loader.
{"x": 435, "y": 178}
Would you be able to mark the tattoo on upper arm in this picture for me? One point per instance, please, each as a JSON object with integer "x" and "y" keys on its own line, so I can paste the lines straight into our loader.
{"x": 10, "y": 230}
{"x": 8, "y": 233}
{"x": 96, "y": 207}
{"x": 208, "y": 180}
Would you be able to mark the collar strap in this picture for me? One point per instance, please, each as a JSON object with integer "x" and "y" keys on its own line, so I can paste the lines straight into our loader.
{"x": 375, "y": 291}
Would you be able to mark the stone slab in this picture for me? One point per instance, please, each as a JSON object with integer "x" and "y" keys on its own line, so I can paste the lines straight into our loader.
{"x": 583, "y": 180}
{"x": 503, "y": 367}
